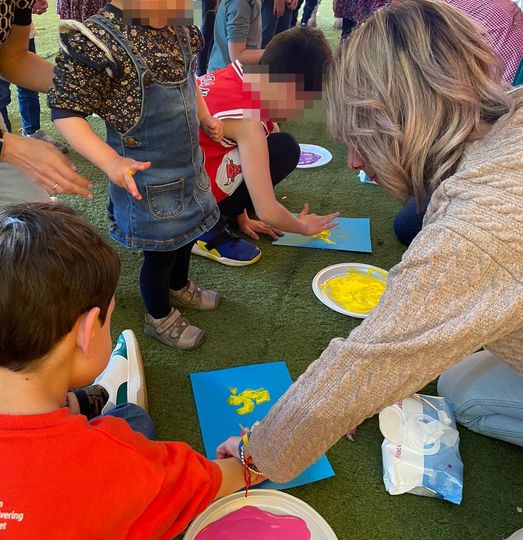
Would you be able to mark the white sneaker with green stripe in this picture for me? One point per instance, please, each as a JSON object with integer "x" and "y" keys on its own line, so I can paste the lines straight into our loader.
{"x": 124, "y": 377}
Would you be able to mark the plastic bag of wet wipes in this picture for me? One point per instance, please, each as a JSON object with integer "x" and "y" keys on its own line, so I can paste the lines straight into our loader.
{"x": 421, "y": 448}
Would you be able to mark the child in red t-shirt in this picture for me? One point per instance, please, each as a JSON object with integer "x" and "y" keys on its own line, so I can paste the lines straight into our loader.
{"x": 64, "y": 476}
{"x": 248, "y": 101}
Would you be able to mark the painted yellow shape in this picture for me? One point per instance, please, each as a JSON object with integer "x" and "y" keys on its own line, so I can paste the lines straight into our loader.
{"x": 324, "y": 235}
{"x": 247, "y": 399}
{"x": 355, "y": 291}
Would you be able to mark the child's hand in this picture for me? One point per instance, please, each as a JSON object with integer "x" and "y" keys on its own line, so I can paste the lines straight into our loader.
{"x": 278, "y": 7}
{"x": 251, "y": 227}
{"x": 121, "y": 170}
{"x": 229, "y": 448}
{"x": 212, "y": 127}
{"x": 314, "y": 224}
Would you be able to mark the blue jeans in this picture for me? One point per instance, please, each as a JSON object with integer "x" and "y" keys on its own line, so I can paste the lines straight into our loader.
{"x": 307, "y": 12}
{"x": 272, "y": 25}
{"x": 136, "y": 417}
{"x": 487, "y": 395}
{"x": 28, "y": 104}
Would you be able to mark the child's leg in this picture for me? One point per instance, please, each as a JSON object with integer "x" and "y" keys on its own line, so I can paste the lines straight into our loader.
{"x": 137, "y": 418}
{"x": 183, "y": 291}
{"x": 307, "y": 11}
{"x": 155, "y": 281}
{"x": 284, "y": 154}
{"x": 162, "y": 321}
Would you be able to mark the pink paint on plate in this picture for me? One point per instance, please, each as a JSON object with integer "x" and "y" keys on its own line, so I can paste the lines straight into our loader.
{"x": 254, "y": 524}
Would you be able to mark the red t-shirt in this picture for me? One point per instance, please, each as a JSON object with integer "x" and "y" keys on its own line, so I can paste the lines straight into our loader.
{"x": 62, "y": 477}
{"x": 226, "y": 98}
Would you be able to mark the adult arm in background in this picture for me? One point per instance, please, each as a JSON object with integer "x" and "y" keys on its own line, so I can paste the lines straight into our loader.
{"x": 442, "y": 303}
{"x": 254, "y": 155}
{"x": 40, "y": 161}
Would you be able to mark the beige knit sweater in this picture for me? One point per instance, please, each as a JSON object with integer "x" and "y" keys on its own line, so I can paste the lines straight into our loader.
{"x": 458, "y": 287}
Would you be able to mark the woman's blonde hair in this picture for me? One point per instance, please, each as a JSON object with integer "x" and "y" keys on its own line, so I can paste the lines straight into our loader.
{"x": 409, "y": 89}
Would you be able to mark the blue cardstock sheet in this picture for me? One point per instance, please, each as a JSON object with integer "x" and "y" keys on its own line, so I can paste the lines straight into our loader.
{"x": 351, "y": 234}
{"x": 219, "y": 420}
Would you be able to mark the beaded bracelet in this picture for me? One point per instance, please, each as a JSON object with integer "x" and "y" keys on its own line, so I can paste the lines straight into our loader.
{"x": 248, "y": 465}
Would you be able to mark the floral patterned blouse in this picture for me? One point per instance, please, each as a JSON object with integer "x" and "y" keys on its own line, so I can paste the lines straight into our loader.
{"x": 83, "y": 85}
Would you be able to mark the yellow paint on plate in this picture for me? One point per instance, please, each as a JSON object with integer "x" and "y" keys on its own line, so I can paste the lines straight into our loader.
{"x": 355, "y": 291}
{"x": 324, "y": 235}
{"x": 247, "y": 399}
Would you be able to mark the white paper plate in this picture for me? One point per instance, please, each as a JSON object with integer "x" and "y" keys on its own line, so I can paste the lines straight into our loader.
{"x": 269, "y": 500}
{"x": 326, "y": 156}
{"x": 339, "y": 270}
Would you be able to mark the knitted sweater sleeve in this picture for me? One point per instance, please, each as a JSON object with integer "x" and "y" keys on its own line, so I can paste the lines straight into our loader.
{"x": 446, "y": 299}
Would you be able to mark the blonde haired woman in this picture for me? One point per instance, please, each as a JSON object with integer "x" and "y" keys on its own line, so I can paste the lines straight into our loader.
{"x": 416, "y": 95}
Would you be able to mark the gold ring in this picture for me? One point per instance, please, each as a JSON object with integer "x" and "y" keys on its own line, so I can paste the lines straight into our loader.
{"x": 53, "y": 189}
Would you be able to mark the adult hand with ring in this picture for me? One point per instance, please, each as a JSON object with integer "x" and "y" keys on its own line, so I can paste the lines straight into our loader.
{"x": 44, "y": 165}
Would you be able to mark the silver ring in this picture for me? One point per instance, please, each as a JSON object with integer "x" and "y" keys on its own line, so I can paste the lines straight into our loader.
{"x": 53, "y": 189}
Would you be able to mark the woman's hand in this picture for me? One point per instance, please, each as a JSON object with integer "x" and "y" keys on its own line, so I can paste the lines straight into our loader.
{"x": 229, "y": 448}
{"x": 121, "y": 170}
{"x": 44, "y": 165}
{"x": 212, "y": 127}
{"x": 251, "y": 227}
{"x": 314, "y": 224}
{"x": 278, "y": 7}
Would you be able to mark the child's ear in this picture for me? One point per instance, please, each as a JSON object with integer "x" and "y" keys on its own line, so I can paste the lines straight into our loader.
{"x": 86, "y": 331}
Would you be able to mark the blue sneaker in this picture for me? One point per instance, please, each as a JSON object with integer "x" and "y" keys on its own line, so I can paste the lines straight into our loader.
{"x": 222, "y": 245}
{"x": 123, "y": 377}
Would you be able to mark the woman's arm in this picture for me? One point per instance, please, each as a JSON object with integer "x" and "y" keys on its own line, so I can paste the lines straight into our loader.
{"x": 22, "y": 67}
{"x": 445, "y": 300}
{"x": 254, "y": 156}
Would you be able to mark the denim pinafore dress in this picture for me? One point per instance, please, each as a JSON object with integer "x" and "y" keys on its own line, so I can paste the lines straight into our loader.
{"x": 177, "y": 204}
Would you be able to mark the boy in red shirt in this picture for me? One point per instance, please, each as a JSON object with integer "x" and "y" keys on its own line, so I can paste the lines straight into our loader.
{"x": 64, "y": 476}
{"x": 287, "y": 80}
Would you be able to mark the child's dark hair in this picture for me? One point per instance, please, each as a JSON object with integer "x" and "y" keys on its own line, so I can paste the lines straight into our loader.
{"x": 303, "y": 52}
{"x": 54, "y": 266}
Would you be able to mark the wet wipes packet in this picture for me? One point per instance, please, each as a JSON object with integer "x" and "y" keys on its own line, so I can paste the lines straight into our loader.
{"x": 421, "y": 448}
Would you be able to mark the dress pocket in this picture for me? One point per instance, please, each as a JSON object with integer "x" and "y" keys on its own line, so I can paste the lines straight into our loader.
{"x": 166, "y": 200}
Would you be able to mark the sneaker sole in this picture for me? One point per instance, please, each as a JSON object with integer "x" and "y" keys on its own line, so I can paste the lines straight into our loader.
{"x": 197, "y": 250}
{"x": 138, "y": 387}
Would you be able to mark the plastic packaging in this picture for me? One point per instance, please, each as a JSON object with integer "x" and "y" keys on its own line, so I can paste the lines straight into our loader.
{"x": 421, "y": 448}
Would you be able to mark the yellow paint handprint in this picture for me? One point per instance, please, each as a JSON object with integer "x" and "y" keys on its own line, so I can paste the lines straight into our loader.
{"x": 324, "y": 235}
{"x": 247, "y": 399}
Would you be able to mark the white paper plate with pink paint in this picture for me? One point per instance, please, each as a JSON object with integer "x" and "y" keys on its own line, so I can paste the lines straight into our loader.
{"x": 268, "y": 500}
{"x": 312, "y": 155}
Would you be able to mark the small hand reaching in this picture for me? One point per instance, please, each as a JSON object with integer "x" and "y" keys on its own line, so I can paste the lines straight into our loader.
{"x": 251, "y": 227}
{"x": 229, "y": 448}
{"x": 121, "y": 170}
{"x": 212, "y": 127}
{"x": 314, "y": 224}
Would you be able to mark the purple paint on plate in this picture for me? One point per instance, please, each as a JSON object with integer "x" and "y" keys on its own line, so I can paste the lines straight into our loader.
{"x": 308, "y": 158}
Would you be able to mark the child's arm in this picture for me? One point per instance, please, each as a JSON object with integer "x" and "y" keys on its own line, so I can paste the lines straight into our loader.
{"x": 239, "y": 51}
{"x": 211, "y": 126}
{"x": 232, "y": 475}
{"x": 79, "y": 134}
{"x": 252, "y": 144}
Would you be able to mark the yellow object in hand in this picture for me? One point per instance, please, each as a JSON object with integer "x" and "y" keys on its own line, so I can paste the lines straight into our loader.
{"x": 132, "y": 172}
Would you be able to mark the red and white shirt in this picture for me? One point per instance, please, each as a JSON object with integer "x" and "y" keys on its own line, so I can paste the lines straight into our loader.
{"x": 226, "y": 98}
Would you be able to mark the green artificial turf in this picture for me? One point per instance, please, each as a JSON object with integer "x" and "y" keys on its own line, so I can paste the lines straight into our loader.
{"x": 270, "y": 313}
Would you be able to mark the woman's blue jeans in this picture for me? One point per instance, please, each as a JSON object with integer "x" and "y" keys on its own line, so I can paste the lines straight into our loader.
{"x": 487, "y": 395}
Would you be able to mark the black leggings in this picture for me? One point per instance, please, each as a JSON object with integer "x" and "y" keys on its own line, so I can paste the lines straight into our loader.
{"x": 284, "y": 154}
{"x": 161, "y": 271}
